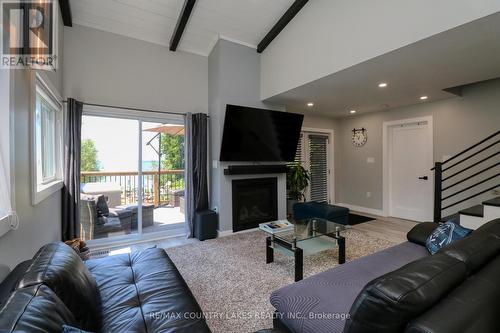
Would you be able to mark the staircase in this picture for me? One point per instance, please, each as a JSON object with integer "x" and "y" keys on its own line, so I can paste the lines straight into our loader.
{"x": 478, "y": 215}
{"x": 468, "y": 178}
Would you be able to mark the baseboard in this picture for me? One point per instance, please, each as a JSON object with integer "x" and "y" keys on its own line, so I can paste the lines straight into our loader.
{"x": 224, "y": 233}
{"x": 361, "y": 209}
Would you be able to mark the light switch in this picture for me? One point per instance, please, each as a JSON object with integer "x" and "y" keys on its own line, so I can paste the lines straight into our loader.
{"x": 215, "y": 164}
{"x": 370, "y": 160}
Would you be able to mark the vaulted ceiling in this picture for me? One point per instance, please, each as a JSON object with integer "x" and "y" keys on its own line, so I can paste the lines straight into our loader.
{"x": 242, "y": 21}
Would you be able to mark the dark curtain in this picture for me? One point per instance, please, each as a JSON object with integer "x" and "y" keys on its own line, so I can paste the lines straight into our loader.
{"x": 71, "y": 189}
{"x": 196, "y": 166}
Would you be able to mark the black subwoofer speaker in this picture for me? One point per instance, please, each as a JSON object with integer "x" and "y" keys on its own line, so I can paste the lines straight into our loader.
{"x": 205, "y": 224}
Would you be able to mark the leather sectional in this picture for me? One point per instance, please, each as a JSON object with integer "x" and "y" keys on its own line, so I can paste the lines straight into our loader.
{"x": 138, "y": 292}
{"x": 402, "y": 289}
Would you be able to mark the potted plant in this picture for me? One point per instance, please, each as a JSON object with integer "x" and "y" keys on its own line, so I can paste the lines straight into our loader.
{"x": 297, "y": 180}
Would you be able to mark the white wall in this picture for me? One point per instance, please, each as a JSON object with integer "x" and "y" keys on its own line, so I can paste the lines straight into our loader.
{"x": 39, "y": 224}
{"x": 330, "y": 35}
{"x": 105, "y": 68}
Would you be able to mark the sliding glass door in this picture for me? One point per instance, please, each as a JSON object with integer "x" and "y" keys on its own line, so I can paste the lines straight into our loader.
{"x": 132, "y": 177}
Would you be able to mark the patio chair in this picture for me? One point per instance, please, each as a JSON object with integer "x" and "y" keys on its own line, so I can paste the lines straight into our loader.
{"x": 147, "y": 214}
{"x": 93, "y": 225}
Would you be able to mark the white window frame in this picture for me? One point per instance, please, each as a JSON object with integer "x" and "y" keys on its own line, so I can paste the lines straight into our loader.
{"x": 7, "y": 139}
{"x": 44, "y": 188}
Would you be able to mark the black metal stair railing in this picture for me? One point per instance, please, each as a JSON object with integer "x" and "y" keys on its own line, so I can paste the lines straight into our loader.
{"x": 441, "y": 167}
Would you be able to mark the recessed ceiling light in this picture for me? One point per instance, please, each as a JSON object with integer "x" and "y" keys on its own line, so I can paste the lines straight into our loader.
{"x": 423, "y": 98}
{"x": 382, "y": 85}
{"x": 352, "y": 111}
{"x": 310, "y": 104}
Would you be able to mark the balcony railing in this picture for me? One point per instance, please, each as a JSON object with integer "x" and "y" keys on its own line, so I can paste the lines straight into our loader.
{"x": 158, "y": 188}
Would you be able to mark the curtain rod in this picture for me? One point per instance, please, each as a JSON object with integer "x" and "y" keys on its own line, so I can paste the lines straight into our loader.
{"x": 133, "y": 109}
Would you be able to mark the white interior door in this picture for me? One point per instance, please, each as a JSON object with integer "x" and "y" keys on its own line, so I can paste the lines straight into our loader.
{"x": 410, "y": 160}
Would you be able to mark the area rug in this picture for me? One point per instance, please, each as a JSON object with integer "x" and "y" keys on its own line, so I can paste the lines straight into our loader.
{"x": 357, "y": 219}
{"x": 232, "y": 282}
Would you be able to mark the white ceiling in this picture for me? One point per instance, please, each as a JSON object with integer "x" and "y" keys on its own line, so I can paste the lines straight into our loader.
{"x": 463, "y": 55}
{"x": 242, "y": 21}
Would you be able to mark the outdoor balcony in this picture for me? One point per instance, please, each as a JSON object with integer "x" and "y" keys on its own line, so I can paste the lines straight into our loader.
{"x": 162, "y": 200}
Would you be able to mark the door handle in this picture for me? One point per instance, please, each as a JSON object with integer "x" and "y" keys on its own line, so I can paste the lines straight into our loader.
{"x": 423, "y": 178}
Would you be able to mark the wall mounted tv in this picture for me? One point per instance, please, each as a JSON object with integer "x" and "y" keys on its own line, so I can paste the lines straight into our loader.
{"x": 258, "y": 135}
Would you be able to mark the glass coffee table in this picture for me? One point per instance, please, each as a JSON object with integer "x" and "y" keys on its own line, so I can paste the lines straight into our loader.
{"x": 308, "y": 236}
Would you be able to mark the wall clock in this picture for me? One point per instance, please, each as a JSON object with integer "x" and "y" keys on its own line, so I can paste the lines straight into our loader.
{"x": 359, "y": 137}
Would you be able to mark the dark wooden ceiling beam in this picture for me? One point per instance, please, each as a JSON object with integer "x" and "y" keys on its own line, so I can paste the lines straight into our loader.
{"x": 181, "y": 23}
{"x": 281, "y": 24}
{"x": 66, "y": 13}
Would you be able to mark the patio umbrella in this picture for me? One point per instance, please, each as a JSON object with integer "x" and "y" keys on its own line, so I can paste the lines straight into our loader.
{"x": 172, "y": 129}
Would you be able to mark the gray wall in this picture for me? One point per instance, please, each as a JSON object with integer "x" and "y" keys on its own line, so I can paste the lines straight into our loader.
{"x": 233, "y": 78}
{"x": 39, "y": 224}
{"x": 106, "y": 68}
{"x": 458, "y": 123}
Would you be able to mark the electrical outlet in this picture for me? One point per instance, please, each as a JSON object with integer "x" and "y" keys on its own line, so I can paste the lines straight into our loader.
{"x": 216, "y": 209}
{"x": 368, "y": 194}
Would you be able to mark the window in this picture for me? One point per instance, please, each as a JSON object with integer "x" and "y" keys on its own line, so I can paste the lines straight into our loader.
{"x": 5, "y": 185}
{"x": 313, "y": 153}
{"x": 47, "y": 134}
{"x": 318, "y": 166}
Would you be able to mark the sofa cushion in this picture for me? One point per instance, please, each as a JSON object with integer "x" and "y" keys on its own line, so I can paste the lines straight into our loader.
{"x": 305, "y": 210}
{"x": 144, "y": 292}
{"x": 492, "y": 227}
{"x": 389, "y": 302}
{"x": 35, "y": 309}
{"x": 102, "y": 206}
{"x": 472, "y": 307}
{"x": 420, "y": 232}
{"x": 334, "y": 291}
{"x": 475, "y": 251}
{"x": 445, "y": 234}
{"x": 59, "y": 267}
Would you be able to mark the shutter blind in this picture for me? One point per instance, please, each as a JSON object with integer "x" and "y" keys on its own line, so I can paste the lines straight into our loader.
{"x": 318, "y": 166}
{"x": 298, "y": 153}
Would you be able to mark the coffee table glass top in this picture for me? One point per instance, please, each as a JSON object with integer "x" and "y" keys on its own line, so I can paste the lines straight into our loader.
{"x": 310, "y": 228}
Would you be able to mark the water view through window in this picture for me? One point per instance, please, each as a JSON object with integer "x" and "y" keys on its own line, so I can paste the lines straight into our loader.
{"x": 130, "y": 166}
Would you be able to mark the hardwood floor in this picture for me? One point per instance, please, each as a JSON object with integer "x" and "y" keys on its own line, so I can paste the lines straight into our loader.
{"x": 389, "y": 228}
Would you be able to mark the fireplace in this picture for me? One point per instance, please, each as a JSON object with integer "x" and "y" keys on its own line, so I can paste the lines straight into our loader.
{"x": 254, "y": 201}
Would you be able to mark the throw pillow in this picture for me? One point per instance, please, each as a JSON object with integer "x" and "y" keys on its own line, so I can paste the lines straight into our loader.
{"x": 102, "y": 206}
{"x": 445, "y": 234}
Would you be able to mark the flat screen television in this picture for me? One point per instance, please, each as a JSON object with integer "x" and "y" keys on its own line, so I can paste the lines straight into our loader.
{"x": 259, "y": 135}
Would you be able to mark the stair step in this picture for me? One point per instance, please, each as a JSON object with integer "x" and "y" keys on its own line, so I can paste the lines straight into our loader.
{"x": 455, "y": 218}
{"x": 493, "y": 202}
{"x": 477, "y": 211}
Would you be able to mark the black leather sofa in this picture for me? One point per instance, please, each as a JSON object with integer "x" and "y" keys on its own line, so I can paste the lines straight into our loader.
{"x": 138, "y": 292}
{"x": 457, "y": 290}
